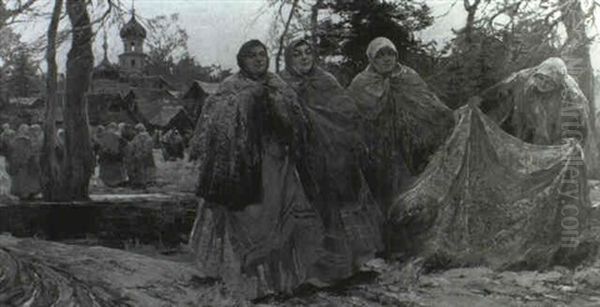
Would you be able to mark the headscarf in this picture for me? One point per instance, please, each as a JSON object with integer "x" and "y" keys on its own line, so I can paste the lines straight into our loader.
{"x": 140, "y": 128}
{"x": 35, "y": 130}
{"x": 377, "y": 44}
{"x": 537, "y": 116}
{"x": 554, "y": 68}
{"x": 246, "y": 47}
{"x": 289, "y": 54}
{"x": 112, "y": 127}
{"x": 374, "y": 82}
{"x": 23, "y": 130}
{"x": 37, "y": 136}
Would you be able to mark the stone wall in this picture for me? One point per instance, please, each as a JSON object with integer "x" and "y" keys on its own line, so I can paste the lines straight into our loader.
{"x": 159, "y": 220}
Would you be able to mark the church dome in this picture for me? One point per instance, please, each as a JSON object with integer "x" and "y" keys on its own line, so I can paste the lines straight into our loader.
{"x": 133, "y": 29}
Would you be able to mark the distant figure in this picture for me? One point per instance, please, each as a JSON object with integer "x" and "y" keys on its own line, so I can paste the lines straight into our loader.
{"x": 6, "y": 137}
{"x": 96, "y": 138}
{"x": 36, "y": 134}
{"x": 60, "y": 145}
{"x": 110, "y": 157}
{"x": 143, "y": 169}
{"x": 23, "y": 168}
{"x": 172, "y": 145}
{"x": 127, "y": 131}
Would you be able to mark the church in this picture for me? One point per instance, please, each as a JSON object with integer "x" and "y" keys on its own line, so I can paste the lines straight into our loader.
{"x": 124, "y": 92}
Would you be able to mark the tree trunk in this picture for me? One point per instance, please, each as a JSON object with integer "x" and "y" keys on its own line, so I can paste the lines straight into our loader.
{"x": 52, "y": 188}
{"x": 576, "y": 54}
{"x": 471, "y": 11}
{"x": 577, "y": 50}
{"x": 79, "y": 163}
{"x": 283, "y": 35}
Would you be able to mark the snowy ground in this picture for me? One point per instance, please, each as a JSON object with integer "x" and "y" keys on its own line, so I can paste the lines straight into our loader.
{"x": 397, "y": 284}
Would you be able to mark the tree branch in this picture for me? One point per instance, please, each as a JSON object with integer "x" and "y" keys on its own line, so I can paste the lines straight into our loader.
{"x": 285, "y": 30}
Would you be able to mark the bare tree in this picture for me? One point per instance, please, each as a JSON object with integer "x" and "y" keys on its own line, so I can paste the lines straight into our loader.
{"x": 79, "y": 164}
{"x": 471, "y": 9}
{"x": 576, "y": 50}
{"x": 52, "y": 181}
{"x": 284, "y": 34}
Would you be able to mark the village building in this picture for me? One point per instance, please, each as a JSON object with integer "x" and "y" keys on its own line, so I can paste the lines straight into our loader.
{"x": 193, "y": 99}
{"x": 124, "y": 92}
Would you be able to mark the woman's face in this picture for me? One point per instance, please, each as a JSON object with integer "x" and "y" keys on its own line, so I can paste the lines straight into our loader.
{"x": 302, "y": 58}
{"x": 255, "y": 61}
{"x": 385, "y": 60}
{"x": 543, "y": 83}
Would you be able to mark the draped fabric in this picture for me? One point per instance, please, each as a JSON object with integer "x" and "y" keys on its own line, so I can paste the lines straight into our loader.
{"x": 543, "y": 117}
{"x": 330, "y": 171}
{"x": 488, "y": 198}
{"x": 255, "y": 228}
{"x": 404, "y": 124}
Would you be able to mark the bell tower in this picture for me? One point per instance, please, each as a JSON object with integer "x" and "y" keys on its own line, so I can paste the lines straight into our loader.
{"x": 132, "y": 59}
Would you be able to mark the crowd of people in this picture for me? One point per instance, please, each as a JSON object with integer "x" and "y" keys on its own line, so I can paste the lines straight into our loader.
{"x": 123, "y": 154}
{"x": 296, "y": 173}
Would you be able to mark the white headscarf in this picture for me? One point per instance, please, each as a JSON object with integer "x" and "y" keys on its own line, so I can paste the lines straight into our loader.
{"x": 378, "y": 44}
{"x": 554, "y": 68}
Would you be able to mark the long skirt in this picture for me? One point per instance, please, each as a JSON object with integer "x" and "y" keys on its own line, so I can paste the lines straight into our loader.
{"x": 353, "y": 234}
{"x": 269, "y": 247}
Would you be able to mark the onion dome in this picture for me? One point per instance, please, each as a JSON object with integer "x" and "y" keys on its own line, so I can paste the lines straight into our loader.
{"x": 133, "y": 29}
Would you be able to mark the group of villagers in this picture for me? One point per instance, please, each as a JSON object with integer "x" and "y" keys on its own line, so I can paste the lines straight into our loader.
{"x": 296, "y": 174}
{"x": 22, "y": 150}
{"x": 125, "y": 155}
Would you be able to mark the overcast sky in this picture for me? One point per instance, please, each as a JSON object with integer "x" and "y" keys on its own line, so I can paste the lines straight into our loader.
{"x": 217, "y": 28}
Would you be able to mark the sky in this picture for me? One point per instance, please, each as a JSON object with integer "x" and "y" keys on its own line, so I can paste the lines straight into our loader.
{"x": 217, "y": 28}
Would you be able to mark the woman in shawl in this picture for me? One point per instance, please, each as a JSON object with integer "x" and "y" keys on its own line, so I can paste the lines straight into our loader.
{"x": 142, "y": 168}
{"x": 405, "y": 122}
{"x": 6, "y": 138}
{"x": 25, "y": 179}
{"x": 540, "y": 105}
{"x": 110, "y": 157}
{"x": 329, "y": 164}
{"x": 254, "y": 228}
